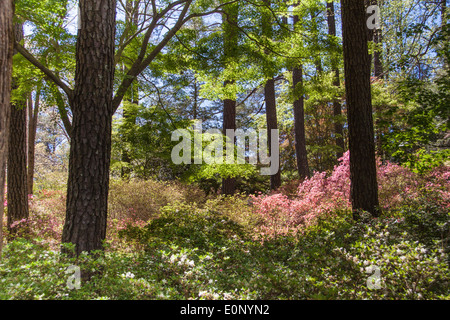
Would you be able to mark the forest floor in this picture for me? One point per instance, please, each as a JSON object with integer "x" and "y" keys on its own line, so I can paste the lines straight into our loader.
{"x": 171, "y": 241}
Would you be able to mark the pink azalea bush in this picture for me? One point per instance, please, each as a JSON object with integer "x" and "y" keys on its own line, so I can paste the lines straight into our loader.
{"x": 323, "y": 195}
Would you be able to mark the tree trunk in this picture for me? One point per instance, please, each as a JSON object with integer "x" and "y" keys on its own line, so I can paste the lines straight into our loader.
{"x": 377, "y": 57}
{"x": 445, "y": 27}
{"x": 90, "y": 149}
{"x": 229, "y": 105}
{"x": 299, "y": 125}
{"x": 337, "y": 108}
{"x": 315, "y": 30}
{"x": 33, "y": 112}
{"x": 132, "y": 94}
{"x": 363, "y": 175}
{"x": 17, "y": 155}
{"x": 271, "y": 117}
{"x": 270, "y": 98}
{"x": 229, "y": 122}
{"x": 299, "y": 119}
{"x": 6, "y": 53}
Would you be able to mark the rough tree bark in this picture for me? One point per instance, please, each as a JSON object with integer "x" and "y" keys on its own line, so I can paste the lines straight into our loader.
{"x": 17, "y": 155}
{"x": 363, "y": 175}
{"x": 6, "y": 53}
{"x": 92, "y": 109}
{"x": 230, "y": 18}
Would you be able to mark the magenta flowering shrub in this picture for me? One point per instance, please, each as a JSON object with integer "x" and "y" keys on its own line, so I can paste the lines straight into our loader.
{"x": 322, "y": 194}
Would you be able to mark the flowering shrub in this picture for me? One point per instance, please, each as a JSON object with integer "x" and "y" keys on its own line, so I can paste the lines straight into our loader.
{"x": 323, "y": 194}
{"x": 46, "y": 219}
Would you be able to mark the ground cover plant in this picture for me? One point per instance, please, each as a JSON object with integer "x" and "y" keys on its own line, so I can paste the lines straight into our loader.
{"x": 236, "y": 247}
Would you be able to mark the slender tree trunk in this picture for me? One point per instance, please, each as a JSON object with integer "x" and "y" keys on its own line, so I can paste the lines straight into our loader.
{"x": 270, "y": 99}
{"x": 229, "y": 105}
{"x": 132, "y": 95}
{"x": 299, "y": 119}
{"x": 337, "y": 108}
{"x": 445, "y": 26}
{"x": 299, "y": 125}
{"x": 229, "y": 122}
{"x": 195, "y": 98}
{"x": 363, "y": 174}
{"x": 6, "y": 53}
{"x": 375, "y": 35}
{"x": 315, "y": 30}
{"x": 271, "y": 118}
{"x": 90, "y": 149}
{"x": 377, "y": 55}
{"x": 33, "y": 112}
{"x": 17, "y": 155}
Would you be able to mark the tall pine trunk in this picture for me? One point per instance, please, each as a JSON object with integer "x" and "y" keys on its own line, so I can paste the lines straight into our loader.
{"x": 229, "y": 122}
{"x": 6, "y": 53}
{"x": 17, "y": 155}
{"x": 229, "y": 105}
{"x": 363, "y": 174}
{"x": 92, "y": 109}
{"x": 299, "y": 119}
{"x": 337, "y": 108}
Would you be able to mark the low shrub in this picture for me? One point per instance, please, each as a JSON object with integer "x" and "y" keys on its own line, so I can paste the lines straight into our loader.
{"x": 199, "y": 229}
{"x": 144, "y": 198}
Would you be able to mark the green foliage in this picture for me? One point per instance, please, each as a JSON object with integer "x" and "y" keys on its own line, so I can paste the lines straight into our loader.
{"x": 145, "y": 136}
{"x": 423, "y": 161}
{"x": 427, "y": 219}
{"x": 33, "y": 272}
{"x": 190, "y": 229}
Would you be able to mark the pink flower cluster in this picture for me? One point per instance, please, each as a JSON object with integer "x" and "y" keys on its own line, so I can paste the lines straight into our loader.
{"x": 322, "y": 195}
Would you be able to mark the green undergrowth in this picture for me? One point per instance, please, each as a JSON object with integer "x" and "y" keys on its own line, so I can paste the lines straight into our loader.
{"x": 202, "y": 254}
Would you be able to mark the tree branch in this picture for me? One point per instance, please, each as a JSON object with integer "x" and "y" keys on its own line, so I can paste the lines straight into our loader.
{"x": 141, "y": 63}
{"x": 50, "y": 74}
